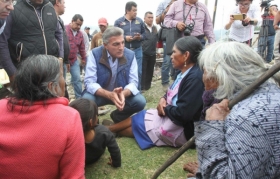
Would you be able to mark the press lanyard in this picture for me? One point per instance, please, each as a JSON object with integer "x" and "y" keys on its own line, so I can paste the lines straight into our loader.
{"x": 185, "y": 17}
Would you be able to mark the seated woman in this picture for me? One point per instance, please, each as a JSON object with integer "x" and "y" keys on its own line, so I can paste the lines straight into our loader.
{"x": 172, "y": 122}
{"x": 41, "y": 136}
{"x": 243, "y": 142}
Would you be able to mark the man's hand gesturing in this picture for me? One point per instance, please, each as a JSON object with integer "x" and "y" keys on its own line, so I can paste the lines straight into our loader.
{"x": 118, "y": 98}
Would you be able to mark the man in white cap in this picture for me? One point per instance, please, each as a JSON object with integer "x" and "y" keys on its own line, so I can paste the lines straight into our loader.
{"x": 97, "y": 38}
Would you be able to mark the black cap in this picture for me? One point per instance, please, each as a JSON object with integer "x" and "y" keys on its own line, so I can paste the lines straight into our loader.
{"x": 87, "y": 28}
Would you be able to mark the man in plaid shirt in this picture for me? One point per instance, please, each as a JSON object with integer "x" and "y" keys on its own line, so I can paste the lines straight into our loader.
{"x": 76, "y": 43}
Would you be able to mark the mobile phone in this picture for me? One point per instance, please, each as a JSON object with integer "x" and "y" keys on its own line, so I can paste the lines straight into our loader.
{"x": 251, "y": 22}
{"x": 238, "y": 16}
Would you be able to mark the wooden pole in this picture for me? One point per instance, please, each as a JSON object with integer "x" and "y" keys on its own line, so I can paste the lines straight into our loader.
{"x": 214, "y": 13}
{"x": 244, "y": 93}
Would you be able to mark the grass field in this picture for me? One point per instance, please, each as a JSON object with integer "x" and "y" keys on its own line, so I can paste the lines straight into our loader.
{"x": 138, "y": 164}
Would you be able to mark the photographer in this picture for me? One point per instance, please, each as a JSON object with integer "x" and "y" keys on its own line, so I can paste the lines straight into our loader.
{"x": 190, "y": 18}
{"x": 269, "y": 40}
{"x": 243, "y": 30}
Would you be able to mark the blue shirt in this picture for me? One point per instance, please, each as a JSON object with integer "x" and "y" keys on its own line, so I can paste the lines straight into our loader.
{"x": 91, "y": 84}
{"x": 130, "y": 28}
{"x": 162, "y": 6}
{"x": 180, "y": 76}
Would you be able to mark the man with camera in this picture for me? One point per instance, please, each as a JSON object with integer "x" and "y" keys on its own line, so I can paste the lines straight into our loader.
{"x": 190, "y": 17}
{"x": 242, "y": 22}
{"x": 267, "y": 33}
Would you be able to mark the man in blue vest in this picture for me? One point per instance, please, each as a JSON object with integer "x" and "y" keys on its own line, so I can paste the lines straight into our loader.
{"x": 112, "y": 76}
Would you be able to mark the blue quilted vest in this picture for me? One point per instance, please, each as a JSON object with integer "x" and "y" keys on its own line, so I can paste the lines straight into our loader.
{"x": 104, "y": 72}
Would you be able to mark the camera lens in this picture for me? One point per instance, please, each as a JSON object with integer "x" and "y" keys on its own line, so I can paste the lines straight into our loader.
{"x": 187, "y": 32}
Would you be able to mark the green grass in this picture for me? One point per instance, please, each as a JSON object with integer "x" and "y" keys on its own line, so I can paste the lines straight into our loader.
{"x": 138, "y": 164}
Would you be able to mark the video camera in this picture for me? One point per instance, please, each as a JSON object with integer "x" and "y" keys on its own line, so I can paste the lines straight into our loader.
{"x": 265, "y": 3}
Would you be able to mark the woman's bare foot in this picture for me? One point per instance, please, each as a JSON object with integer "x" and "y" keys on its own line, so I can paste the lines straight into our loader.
{"x": 192, "y": 168}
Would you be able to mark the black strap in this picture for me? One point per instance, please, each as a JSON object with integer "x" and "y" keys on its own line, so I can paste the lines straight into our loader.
{"x": 185, "y": 17}
{"x": 61, "y": 24}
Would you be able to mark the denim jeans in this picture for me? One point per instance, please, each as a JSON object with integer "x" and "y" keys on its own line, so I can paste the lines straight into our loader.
{"x": 133, "y": 104}
{"x": 166, "y": 66}
{"x": 269, "y": 46}
{"x": 64, "y": 71}
{"x": 76, "y": 79}
{"x": 139, "y": 55}
{"x": 203, "y": 42}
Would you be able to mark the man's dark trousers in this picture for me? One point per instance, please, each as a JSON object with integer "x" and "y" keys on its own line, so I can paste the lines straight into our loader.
{"x": 148, "y": 65}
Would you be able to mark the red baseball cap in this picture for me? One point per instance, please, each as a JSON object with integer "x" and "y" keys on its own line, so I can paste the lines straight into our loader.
{"x": 103, "y": 21}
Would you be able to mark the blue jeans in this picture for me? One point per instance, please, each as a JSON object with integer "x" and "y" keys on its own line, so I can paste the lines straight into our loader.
{"x": 76, "y": 79}
{"x": 133, "y": 104}
{"x": 270, "y": 46}
{"x": 64, "y": 71}
{"x": 166, "y": 66}
{"x": 139, "y": 55}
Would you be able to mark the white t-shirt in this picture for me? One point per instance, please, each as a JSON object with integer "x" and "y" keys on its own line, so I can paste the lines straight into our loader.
{"x": 241, "y": 33}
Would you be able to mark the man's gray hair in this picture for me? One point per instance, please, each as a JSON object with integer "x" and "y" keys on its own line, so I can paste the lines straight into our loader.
{"x": 234, "y": 65}
{"x": 110, "y": 32}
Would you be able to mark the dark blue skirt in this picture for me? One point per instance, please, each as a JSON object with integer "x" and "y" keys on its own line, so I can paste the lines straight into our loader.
{"x": 139, "y": 131}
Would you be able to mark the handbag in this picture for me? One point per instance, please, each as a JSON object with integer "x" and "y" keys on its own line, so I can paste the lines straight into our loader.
{"x": 173, "y": 34}
{"x": 162, "y": 33}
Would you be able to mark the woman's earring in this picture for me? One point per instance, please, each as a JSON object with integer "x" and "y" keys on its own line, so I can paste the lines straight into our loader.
{"x": 185, "y": 64}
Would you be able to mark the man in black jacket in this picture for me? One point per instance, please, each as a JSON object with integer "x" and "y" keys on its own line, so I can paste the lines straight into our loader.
{"x": 149, "y": 51}
{"x": 32, "y": 28}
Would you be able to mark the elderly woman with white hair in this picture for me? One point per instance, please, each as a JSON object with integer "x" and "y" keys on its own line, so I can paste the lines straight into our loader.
{"x": 243, "y": 142}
